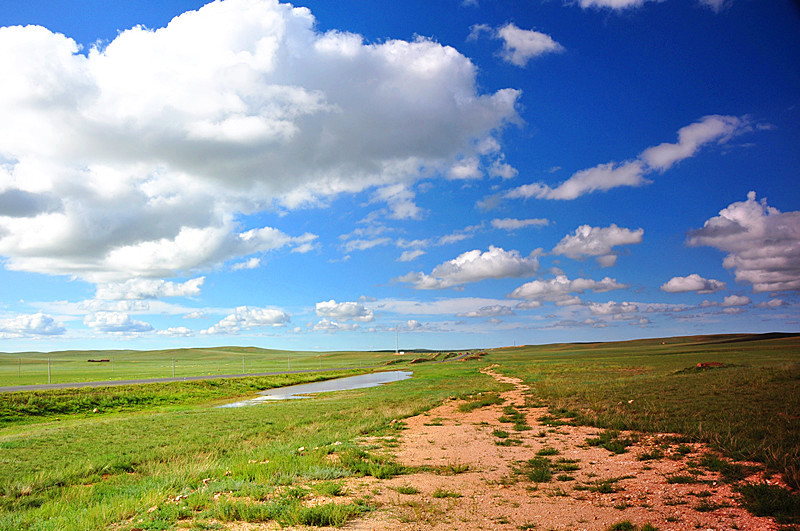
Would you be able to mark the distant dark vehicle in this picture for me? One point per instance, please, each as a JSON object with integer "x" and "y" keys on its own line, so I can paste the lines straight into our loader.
{"x": 98, "y": 361}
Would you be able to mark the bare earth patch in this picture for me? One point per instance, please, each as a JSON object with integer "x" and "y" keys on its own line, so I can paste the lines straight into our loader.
{"x": 474, "y": 477}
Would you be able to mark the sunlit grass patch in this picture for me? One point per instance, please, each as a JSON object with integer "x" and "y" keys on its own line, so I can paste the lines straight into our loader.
{"x": 480, "y": 400}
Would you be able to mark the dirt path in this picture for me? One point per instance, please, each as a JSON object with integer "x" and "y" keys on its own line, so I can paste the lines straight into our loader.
{"x": 476, "y": 483}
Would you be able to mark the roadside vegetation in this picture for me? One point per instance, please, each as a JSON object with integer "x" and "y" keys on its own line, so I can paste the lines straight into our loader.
{"x": 161, "y": 456}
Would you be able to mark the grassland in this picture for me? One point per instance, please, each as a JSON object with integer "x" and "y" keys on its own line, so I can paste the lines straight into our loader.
{"x": 162, "y": 457}
{"x": 28, "y": 368}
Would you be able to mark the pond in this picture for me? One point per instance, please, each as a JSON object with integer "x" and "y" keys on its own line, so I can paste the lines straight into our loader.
{"x": 294, "y": 392}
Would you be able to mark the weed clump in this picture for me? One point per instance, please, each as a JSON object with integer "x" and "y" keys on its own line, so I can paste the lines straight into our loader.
{"x": 480, "y": 400}
{"x": 611, "y": 441}
{"x": 771, "y": 500}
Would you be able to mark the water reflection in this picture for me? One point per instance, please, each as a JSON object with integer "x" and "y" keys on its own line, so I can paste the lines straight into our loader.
{"x": 293, "y": 392}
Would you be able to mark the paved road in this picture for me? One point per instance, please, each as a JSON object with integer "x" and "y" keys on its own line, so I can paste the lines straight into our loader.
{"x": 44, "y": 387}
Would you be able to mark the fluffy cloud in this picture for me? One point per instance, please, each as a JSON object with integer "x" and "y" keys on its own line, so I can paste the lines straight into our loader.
{"x": 474, "y": 266}
{"x": 141, "y": 288}
{"x": 137, "y": 159}
{"x": 37, "y": 324}
{"x": 719, "y": 129}
{"x": 693, "y": 282}
{"x": 247, "y": 317}
{"x": 560, "y": 289}
{"x": 597, "y": 241}
{"x": 735, "y": 300}
{"x": 116, "y": 323}
{"x": 519, "y": 45}
{"x": 761, "y": 243}
{"x": 514, "y": 224}
{"x": 353, "y": 311}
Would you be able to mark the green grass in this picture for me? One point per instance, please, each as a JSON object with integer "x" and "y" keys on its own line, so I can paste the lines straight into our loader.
{"x": 747, "y": 410}
{"x": 90, "y": 471}
{"x": 64, "y": 467}
{"x": 480, "y": 400}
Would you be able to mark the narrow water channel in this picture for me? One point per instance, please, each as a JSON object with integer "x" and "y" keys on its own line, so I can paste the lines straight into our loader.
{"x": 294, "y": 392}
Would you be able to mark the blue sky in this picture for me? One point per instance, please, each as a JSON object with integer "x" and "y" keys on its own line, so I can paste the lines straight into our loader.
{"x": 319, "y": 175}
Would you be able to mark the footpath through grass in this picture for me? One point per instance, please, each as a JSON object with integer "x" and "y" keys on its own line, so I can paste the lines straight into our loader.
{"x": 745, "y": 400}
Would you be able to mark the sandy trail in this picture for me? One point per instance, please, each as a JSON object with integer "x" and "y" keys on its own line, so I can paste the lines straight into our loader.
{"x": 491, "y": 495}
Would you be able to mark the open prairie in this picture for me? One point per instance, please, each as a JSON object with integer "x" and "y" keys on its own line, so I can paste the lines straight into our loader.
{"x": 631, "y": 435}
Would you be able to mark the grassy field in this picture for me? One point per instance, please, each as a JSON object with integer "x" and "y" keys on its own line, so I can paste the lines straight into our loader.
{"x": 160, "y": 456}
{"x": 27, "y": 368}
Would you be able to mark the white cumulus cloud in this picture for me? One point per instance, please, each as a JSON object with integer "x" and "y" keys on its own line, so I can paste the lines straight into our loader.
{"x": 247, "y": 317}
{"x": 560, "y": 289}
{"x": 597, "y": 241}
{"x": 137, "y": 158}
{"x": 693, "y": 282}
{"x": 474, "y": 266}
{"x": 116, "y": 323}
{"x": 735, "y": 300}
{"x": 30, "y": 325}
{"x": 761, "y": 242}
{"x": 520, "y": 45}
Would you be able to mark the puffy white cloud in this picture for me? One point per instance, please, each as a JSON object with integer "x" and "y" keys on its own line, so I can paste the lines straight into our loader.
{"x": 597, "y": 241}
{"x": 693, "y": 282}
{"x": 137, "y": 158}
{"x": 560, "y": 288}
{"x": 519, "y": 45}
{"x": 719, "y": 129}
{"x": 145, "y": 288}
{"x": 514, "y": 224}
{"x": 495, "y": 310}
{"x": 600, "y": 178}
{"x": 247, "y": 317}
{"x": 474, "y": 266}
{"x": 353, "y": 311}
{"x": 761, "y": 242}
{"x": 30, "y": 325}
{"x": 690, "y": 138}
{"x": 116, "y": 323}
{"x": 735, "y": 300}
